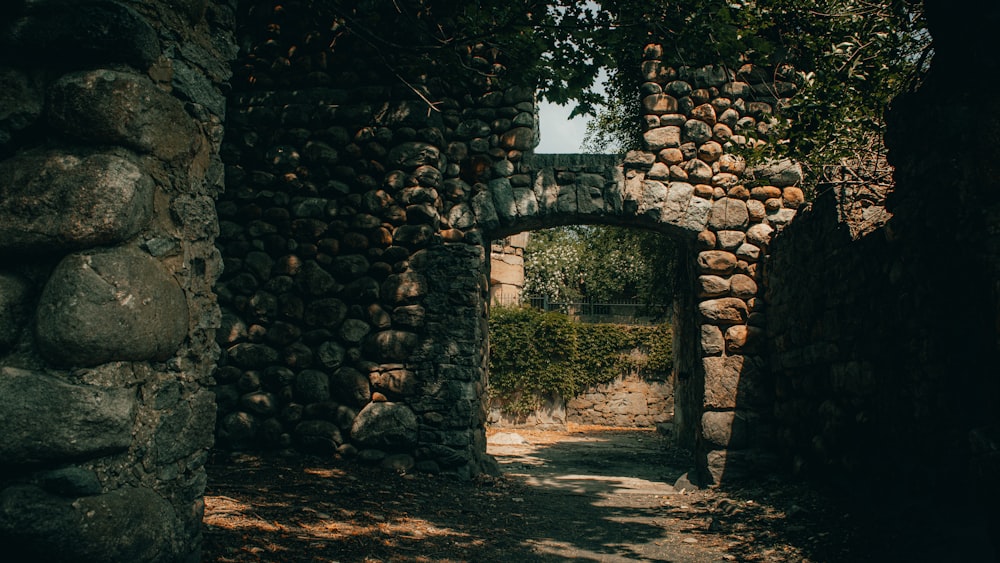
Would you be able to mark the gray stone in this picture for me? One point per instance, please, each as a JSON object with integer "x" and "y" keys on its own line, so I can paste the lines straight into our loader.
{"x": 238, "y": 429}
{"x": 351, "y": 386}
{"x": 730, "y": 240}
{"x": 312, "y": 386}
{"x": 20, "y": 102}
{"x": 724, "y": 429}
{"x": 412, "y": 154}
{"x": 412, "y": 316}
{"x": 729, "y": 214}
{"x": 712, "y": 286}
{"x": 484, "y": 211}
{"x": 318, "y": 436}
{"x": 400, "y": 463}
{"x": 395, "y": 381}
{"x": 14, "y": 292}
{"x": 111, "y": 107}
{"x": 79, "y": 33}
{"x": 353, "y": 331}
{"x": 393, "y": 345}
{"x": 779, "y": 173}
{"x": 524, "y": 200}
{"x": 404, "y": 288}
{"x": 760, "y": 234}
{"x": 192, "y": 86}
{"x": 330, "y": 354}
{"x": 109, "y": 305}
{"x": 385, "y": 425}
{"x": 70, "y": 482}
{"x": 461, "y": 216}
{"x": 128, "y": 524}
{"x": 251, "y": 355}
{"x": 503, "y": 198}
{"x": 697, "y": 131}
{"x": 698, "y": 172}
{"x": 186, "y": 427}
{"x": 712, "y": 341}
{"x": 47, "y": 419}
{"x": 57, "y": 200}
{"x": 662, "y": 137}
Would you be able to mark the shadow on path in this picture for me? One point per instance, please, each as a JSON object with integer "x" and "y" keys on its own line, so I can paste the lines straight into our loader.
{"x": 565, "y": 497}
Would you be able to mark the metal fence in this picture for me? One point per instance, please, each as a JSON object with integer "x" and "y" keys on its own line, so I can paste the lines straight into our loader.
{"x": 633, "y": 311}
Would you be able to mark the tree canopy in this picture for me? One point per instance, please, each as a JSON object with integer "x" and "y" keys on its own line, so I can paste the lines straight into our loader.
{"x": 852, "y": 56}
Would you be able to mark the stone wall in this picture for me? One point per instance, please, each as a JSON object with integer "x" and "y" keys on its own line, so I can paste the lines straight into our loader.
{"x": 507, "y": 269}
{"x": 629, "y": 401}
{"x": 883, "y": 338}
{"x": 343, "y": 187}
{"x": 110, "y": 122}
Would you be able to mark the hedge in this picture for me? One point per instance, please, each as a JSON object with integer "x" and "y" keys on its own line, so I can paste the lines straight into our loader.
{"x": 535, "y": 354}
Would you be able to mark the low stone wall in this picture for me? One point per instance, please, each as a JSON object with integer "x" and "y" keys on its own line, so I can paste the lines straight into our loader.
{"x": 630, "y": 401}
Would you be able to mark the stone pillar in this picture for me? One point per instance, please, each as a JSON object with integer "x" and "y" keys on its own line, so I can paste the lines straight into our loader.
{"x": 507, "y": 269}
{"x": 110, "y": 125}
{"x": 696, "y": 118}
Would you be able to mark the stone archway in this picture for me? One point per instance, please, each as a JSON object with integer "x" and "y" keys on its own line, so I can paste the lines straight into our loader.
{"x": 356, "y": 229}
{"x": 353, "y": 231}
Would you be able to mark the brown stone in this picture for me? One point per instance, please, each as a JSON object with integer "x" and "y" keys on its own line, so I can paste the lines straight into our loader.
{"x": 704, "y": 112}
{"x": 721, "y": 132}
{"x": 742, "y": 286}
{"x": 793, "y": 197}
{"x": 765, "y": 192}
{"x": 736, "y": 338}
{"x": 725, "y": 310}
{"x": 706, "y": 239}
{"x": 722, "y": 380}
{"x": 741, "y": 193}
{"x": 756, "y": 210}
{"x": 519, "y": 138}
{"x": 671, "y": 156}
{"x": 704, "y": 191}
{"x": 712, "y": 286}
{"x": 716, "y": 262}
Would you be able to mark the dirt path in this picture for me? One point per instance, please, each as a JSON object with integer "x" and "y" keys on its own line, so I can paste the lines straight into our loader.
{"x": 585, "y": 495}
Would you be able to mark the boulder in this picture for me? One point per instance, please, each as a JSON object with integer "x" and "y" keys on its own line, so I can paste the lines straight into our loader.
{"x": 69, "y": 200}
{"x": 385, "y": 425}
{"x": 117, "y": 108}
{"x": 115, "y": 304}
{"x": 47, "y": 419}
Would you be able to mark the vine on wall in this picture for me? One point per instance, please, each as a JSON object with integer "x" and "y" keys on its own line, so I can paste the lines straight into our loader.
{"x": 536, "y": 354}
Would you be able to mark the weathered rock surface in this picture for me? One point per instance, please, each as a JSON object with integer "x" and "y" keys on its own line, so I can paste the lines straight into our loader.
{"x": 57, "y": 200}
{"x": 48, "y": 419}
{"x": 110, "y": 304}
{"x": 385, "y": 425}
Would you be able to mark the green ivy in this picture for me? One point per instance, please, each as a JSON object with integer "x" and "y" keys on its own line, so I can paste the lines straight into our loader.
{"x": 536, "y": 354}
